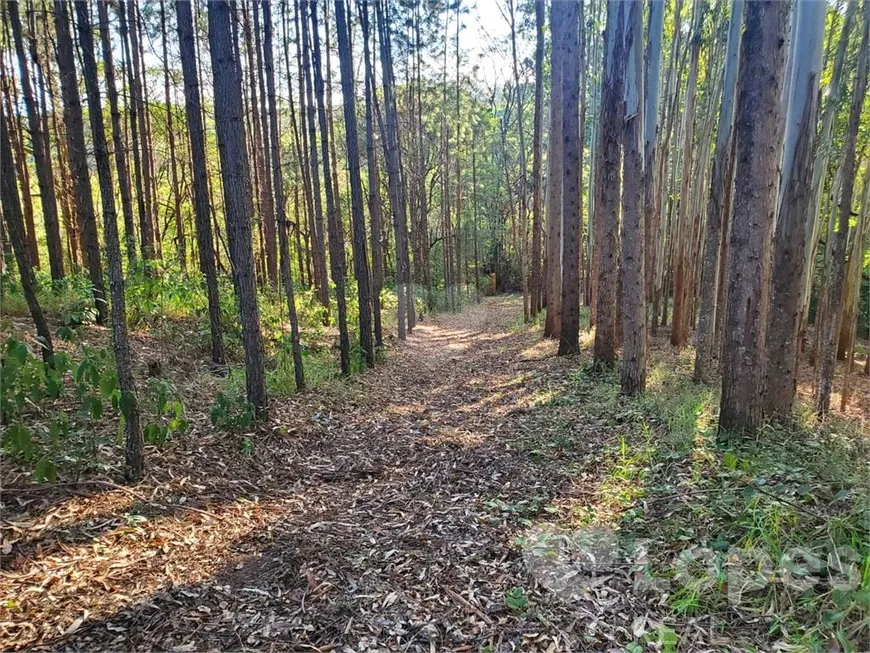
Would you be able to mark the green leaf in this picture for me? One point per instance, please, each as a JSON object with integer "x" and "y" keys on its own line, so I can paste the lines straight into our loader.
{"x": 18, "y": 439}
{"x": 730, "y": 460}
{"x": 108, "y": 383}
{"x": 668, "y": 639}
{"x": 127, "y": 404}
{"x": 516, "y": 598}
{"x": 45, "y": 470}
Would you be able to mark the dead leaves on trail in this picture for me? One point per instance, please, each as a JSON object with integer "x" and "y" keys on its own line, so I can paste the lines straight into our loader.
{"x": 381, "y": 516}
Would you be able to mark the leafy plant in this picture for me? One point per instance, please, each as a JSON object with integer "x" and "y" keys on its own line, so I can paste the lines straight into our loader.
{"x": 515, "y": 598}
{"x": 232, "y": 413}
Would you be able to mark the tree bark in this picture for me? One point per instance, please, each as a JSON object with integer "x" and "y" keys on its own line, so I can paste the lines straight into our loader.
{"x": 786, "y": 305}
{"x": 706, "y": 353}
{"x": 572, "y": 181}
{"x": 758, "y": 134}
{"x": 14, "y": 219}
{"x": 830, "y": 323}
{"x": 633, "y": 378}
{"x": 278, "y": 185}
{"x": 238, "y": 207}
{"x": 555, "y": 157}
{"x": 75, "y": 135}
{"x": 201, "y": 204}
{"x": 41, "y": 157}
{"x": 607, "y": 187}
{"x": 537, "y": 282}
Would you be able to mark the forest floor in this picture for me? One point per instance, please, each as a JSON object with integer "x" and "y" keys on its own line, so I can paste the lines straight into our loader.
{"x": 473, "y": 493}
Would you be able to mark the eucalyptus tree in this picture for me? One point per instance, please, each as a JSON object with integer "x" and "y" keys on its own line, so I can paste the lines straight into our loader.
{"x": 134, "y": 464}
{"x": 758, "y": 134}
{"x": 238, "y": 206}
{"x": 718, "y": 204}
{"x": 201, "y": 204}
{"x": 786, "y": 305}
{"x": 830, "y": 320}
{"x": 360, "y": 254}
{"x": 607, "y": 186}
{"x": 77, "y": 150}
{"x": 633, "y": 377}
{"x": 39, "y": 149}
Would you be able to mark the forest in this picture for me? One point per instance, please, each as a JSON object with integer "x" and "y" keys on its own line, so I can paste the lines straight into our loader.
{"x": 435, "y": 325}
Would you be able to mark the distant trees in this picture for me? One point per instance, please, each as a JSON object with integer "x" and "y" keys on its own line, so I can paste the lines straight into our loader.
{"x": 717, "y": 204}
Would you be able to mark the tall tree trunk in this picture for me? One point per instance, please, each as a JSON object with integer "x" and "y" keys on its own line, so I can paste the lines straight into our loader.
{"x": 682, "y": 234}
{"x": 118, "y": 143}
{"x": 836, "y": 89}
{"x": 537, "y": 283}
{"x": 555, "y": 157}
{"x": 404, "y": 288}
{"x": 138, "y": 89}
{"x": 524, "y": 184}
{"x": 75, "y": 136}
{"x": 830, "y": 323}
{"x": 758, "y": 134}
{"x": 320, "y": 272}
{"x": 336, "y": 248}
{"x": 360, "y": 255}
{"x": 238, "y": 207}
{"x": 201, "y": 204}
{"x": 14, "y": 219}
{"x": 706, "y": 353}
{"x": 651, "y": 139}
{"x": 278, "y": 185}
{"x": 572, "y": 180}
{"x": 134, "y": 464}
{"x": 146, "y": 235}
{"x": 633, "y": 283}
{"x": 607, "y": 187}
{"x": 180, "y": 239}
{"x": 41, "y": 157}
{"x": 374, "y": 195}
{"x": 786, "y": 304}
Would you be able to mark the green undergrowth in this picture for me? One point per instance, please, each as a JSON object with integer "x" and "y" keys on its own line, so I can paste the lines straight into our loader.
{"x": 774, "y": 530}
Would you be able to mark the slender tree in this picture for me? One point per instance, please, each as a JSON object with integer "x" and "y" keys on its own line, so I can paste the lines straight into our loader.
{"x": 360, "y": 255}
{"x": 333, "y": 221}
{"x": 633, "y": 282}
{"x": 651, "y": 138}
{"x": 280, "y": 205}
{"x": 374, "y": 189}
{"x": 607, "y": 186}
{"x": 14, "y": 220}
{"x": 118, "y": 144}
{"x": 75, "y": 140}
{"x": 830, "y": 322}
{"x": 683, "y": 232}
{"x": 201, "y": 204}
{"x": 238, "y": 206}
{"x": 758, "y": 135}
{"x": 569, "y": 340}
{"x": 789, "y": 241}
{"x": 555, "y": 157}
{"x": 134, "y": 461}
{"x": 537, "y": 281}
{"x": 41, "y": 156}
{"x": 706, "y": 353}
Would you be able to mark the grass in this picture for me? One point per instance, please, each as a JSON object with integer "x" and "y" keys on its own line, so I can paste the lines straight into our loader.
{"x": 775, "y": 529}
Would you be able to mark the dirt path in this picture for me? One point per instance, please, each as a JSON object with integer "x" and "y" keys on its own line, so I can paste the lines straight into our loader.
{"x": 381, "y": 517}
